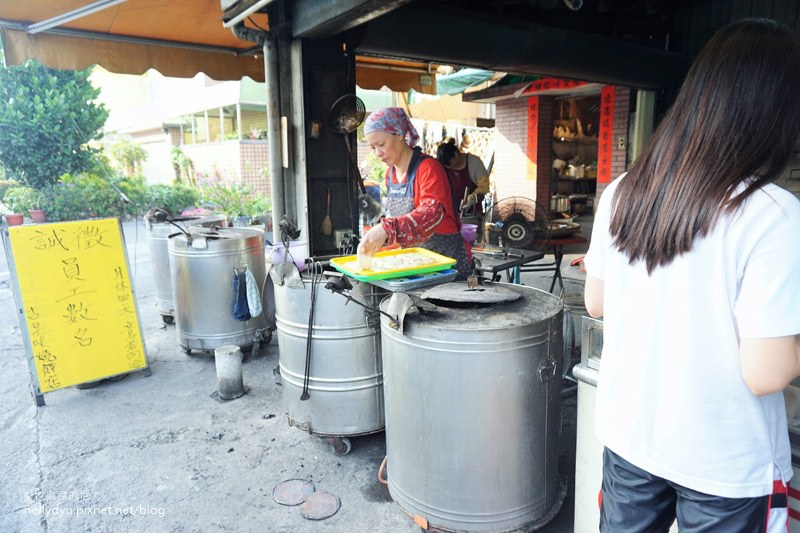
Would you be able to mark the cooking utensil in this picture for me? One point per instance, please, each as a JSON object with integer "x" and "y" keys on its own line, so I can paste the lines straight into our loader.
{"x": 344, "y": 117}
{"x": 463, "y": 206}
{"x": 327, "y": 224}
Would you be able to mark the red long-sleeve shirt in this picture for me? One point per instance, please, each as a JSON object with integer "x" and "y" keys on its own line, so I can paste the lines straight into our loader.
{"x": 433, "y": 208}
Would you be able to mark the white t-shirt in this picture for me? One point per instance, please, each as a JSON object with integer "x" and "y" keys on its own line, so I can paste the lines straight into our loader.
{"x": 671, "y": 398}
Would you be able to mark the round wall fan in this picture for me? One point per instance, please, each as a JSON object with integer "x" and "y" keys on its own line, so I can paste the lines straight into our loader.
{"x": 517, "y": 222}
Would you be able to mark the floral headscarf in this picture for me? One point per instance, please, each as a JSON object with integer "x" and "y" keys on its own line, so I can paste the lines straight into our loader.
{"x": 392, "y": 120}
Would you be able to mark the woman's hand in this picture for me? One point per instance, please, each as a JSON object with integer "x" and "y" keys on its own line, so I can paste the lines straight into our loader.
{"x": 372, "y": 241}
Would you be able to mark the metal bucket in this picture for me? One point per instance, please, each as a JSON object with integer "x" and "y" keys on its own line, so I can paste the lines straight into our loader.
{"x": 157, "y": 235}
{"x": 345, "y": 376}
{"x": 473, "y": 409}
{"x": 202, "y": 272}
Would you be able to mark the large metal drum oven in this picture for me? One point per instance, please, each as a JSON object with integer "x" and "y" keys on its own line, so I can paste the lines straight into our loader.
{"x": 203, "y": 262}
{"x": 473, "y": 409}
{"x": 336, "y": 360}
{"x": 158, "y": 232}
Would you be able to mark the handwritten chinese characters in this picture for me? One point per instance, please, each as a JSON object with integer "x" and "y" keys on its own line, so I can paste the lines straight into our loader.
{"x": 128, "y": 330}
{"x": 79, "y": 307}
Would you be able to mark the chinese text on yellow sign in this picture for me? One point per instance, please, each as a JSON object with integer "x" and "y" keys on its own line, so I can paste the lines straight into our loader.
{"x": 77, "y": 301}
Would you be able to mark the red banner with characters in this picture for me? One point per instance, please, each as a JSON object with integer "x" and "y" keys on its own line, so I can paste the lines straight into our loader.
{"x": 533, "y": 138}
{"x": 550, "y": 84}
{"x": 605, "y": 142}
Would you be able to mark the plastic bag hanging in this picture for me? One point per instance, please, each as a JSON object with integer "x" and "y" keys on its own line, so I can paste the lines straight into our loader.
{"x": 241, "y": 311}
{"x": 253, "y": 296}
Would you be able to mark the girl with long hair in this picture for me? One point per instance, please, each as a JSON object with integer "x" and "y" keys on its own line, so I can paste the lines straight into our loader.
{"x": 694, "y": 265}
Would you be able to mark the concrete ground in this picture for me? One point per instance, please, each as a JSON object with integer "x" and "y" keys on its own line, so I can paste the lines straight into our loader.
{"x": 158, "y": 453}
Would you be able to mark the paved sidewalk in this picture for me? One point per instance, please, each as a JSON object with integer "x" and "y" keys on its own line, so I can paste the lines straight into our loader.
{"x": 159, "y": 454}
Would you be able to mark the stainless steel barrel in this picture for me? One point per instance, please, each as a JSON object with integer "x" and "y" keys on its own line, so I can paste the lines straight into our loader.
{"x": 473, "y": 413}
{"x": 345, "y": 378}
{"x": 157, "y": 235}
{"x": 202, "y": 266}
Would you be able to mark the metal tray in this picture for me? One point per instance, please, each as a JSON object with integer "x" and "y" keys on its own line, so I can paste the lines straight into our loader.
{"x": 559, "y": 229}
{"x": 416, "y": 282}
{"x": 440, "y": 263}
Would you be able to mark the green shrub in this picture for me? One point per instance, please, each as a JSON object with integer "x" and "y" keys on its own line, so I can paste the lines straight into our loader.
{"x": 48, "y": 119}
{"x": 21, "y": 199}
{"x": 82, "y": 196}
{"x": 127, "y": 155}
{"x": 137, "y": 191}
{"x": 234, "y": 199}
{"x": 5, "y": 185}
{"x": 376, "y": 169}
{"x": 91, "y": 195}
{"x": 175, "y": 198}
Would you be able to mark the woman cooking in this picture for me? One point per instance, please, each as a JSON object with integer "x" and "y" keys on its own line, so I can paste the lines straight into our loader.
{"x": 418, "y": 199}
{"x": 465, "y": 172}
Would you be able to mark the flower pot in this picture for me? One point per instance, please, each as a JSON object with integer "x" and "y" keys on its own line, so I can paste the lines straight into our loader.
{"x": 37, "y": 215}
{"x": 14, "y": 219}
{"x": 241, "y": 221}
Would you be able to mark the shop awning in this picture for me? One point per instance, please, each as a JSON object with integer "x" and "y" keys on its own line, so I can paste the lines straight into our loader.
{"x": 398, "y": 75}
{"x": 460, "y": 81}
{"x": 178, "y": 38}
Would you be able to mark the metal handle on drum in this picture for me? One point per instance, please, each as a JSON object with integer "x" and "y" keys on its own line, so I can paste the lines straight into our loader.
{"x": 547, "y": 368}
{"x": 340, "y": 288}
{"x": 382, "y": 470}
{"x": 372, "y": 319}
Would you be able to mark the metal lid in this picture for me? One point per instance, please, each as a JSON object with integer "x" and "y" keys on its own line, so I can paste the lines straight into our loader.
{"x": 532, "y": 306}
{"x": 319, "y": 506}
{"x": 292, "y": 491}
{"x": 460, "y": 293}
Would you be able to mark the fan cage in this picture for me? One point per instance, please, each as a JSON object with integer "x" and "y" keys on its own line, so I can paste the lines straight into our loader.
{"x": 517, "y": 222}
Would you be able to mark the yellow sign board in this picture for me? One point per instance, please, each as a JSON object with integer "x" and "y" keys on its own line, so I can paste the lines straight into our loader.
{"x": 76, "y": 303}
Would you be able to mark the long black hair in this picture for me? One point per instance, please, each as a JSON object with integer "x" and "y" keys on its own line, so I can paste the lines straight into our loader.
{"x": 736, "y": 119}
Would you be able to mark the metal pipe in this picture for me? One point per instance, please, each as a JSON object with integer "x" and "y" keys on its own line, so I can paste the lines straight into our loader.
{"x": 125, "y": 39}
{"x": 69, "y": 16}
{"x": 273, "y": 129}
{"x": 239, "y": 18}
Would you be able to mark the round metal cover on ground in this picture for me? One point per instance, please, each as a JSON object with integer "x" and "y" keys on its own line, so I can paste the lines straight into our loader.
{"x": 319, "y": 506}
{"x": 292, "y": 491}
{"x": 460, "y": 293}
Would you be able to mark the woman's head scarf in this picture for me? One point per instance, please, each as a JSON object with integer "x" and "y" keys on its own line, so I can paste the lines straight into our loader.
{"x": 392, "y": 120}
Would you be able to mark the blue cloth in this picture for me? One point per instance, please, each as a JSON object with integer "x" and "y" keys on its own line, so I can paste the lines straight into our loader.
{"x": 241, "y": 311}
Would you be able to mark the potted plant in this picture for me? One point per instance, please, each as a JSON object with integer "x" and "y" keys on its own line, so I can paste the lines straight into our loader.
{"x": 232, "y": 200}
{"x": 19, "y": 200}
{"x": 13, "y": 219}
{"x": 36, "y": 207}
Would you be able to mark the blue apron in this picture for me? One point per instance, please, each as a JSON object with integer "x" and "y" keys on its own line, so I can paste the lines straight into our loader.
{"x": 400, "y": 201}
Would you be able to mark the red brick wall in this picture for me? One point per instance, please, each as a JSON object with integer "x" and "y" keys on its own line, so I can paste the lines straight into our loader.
{"x": 619, "y": 156}
{"x": 511, "y": 159}
{"x": 233, "y": 162}
{"x": 255, "y": 166}
{"x": 545, "y": 154}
